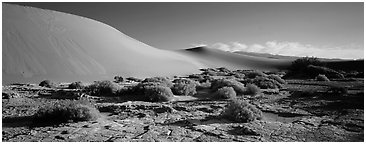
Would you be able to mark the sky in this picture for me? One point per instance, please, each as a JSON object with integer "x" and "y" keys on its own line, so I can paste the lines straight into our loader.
{"x": 330, "y": 30}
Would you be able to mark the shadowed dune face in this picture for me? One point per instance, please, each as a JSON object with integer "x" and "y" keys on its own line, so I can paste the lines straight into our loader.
{"x": 42, "y": 44}
{"x": 215, "y": 58}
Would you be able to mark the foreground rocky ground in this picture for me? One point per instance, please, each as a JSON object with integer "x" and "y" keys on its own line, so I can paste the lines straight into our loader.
{"x": 288, "y": 115}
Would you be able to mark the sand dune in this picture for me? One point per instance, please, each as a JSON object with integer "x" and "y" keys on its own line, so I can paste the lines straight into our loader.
{"x": 43, "y": 44}
{"x": 215, "y": 58}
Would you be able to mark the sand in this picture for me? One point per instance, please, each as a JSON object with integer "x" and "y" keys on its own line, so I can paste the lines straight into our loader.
{"x": 43, "y": 44}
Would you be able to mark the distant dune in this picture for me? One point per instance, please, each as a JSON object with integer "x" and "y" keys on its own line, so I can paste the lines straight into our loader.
{"x": 214, "y": 58}
{"x": 43, "y": 44}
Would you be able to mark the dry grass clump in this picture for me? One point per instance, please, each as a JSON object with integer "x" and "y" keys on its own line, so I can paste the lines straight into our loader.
{"x": 152, "y": 92}
{"x": 184, "y": 87}
{"x": 241, "y": 111}
{"x": 66, "y": 111}
{"x": 225, "y": 93}
{"x": 264, "y": 82}
{"x": 102, "y": 88}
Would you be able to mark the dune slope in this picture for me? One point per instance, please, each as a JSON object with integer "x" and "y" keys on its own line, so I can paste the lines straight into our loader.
{"x": 43, "y": 44}
{"x": 216, "y": 58}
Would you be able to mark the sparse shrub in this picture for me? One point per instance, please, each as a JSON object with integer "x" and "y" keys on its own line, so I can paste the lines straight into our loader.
{"x": 134, "y": 79}
{"x": 161, "y": 80}
{"x": 76, "y": 85}
{"x": 66, "y": 111}
{"x": 253, "y": 74}
{"x": 239, "y": 75}
{"x": 210, "y": 73}
{"x": 47, "y": 83}
{"x": 321, "y": 77}
{"x": 277, "y": 78}
{"x": 219, "y": 83}
{"x": 184, "y": 87}
{"x": 302, "y": 63}
{"x": 225, "y": 93}
{"x": 158, "y": 93}
{"x": 118, "y": 79}
{"x": 241, "y": 111}
{"x": 252, "y": 89}
{"x": 102, "y": 88}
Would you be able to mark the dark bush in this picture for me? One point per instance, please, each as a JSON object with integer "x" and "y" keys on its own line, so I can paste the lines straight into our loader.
{"x": 302, "y": 63}
{"x": 219, "y": 83}
{"x": 102, "y": 88}
{"x": 118, "y": 79}
{"x": 76, "y": 85}
{"x": 241, "y": 111}
{"x": 277, "y": 78}
{"x": 66, "y": 111}
{"x": 47, "y": 83}
{"x": 184, "y": 87}
{"x": 252, "y": 89}
{"x": 225, "y": 93}
{"x": 321, "y": 77}
{"x": 161, "y": 80}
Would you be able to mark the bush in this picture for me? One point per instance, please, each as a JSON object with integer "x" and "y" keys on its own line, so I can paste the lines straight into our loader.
{"x": 321, "y": 77}
{"x": 160, "y": 80}
{"x": 264, "y": 82}
{"x": 242, "y": 111}
{"x": 184, "y": 87}
{"x": 302, "y": 63}
{"x": 118, "y": 79}
{"x": 47, "y": 83}
{"x": 66, "y": 111}
{"x": 158, "y": 93}
{"x": 134, "y": 79}
{"x": 253, "y": 74}
{"x": 203, "y": 85}
{"x": 252, "y": 89}
{"x": 225, "y": 93}
{"x": 76, "y": 85}
{"x": 277, "y": 78}
{"x": 219, "y": 83}
{"x": 102, "y": 88}
{"x": 151, "y": 91}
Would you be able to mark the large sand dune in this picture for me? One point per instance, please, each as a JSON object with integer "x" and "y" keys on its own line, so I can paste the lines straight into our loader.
{"x": 43, "y": 44}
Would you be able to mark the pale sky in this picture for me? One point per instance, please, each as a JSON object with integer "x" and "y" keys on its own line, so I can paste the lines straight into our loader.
{"x": 301, "y": 29}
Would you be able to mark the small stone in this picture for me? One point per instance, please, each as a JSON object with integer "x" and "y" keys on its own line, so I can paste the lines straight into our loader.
{"x": 64, "y": 132}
